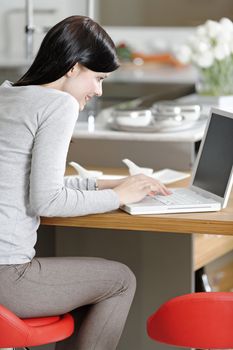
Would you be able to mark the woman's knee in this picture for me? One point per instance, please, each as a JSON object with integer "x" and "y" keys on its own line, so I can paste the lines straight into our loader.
{"x": 126, "y": 277}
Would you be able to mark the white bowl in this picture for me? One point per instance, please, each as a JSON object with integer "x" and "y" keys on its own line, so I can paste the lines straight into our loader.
{"x": 132, "y": 117}
{"x": 191, "y": 112}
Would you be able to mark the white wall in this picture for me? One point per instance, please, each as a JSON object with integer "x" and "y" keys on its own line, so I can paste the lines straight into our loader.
{"x": 150, "y": 39}
{"x": 46, "y": 13}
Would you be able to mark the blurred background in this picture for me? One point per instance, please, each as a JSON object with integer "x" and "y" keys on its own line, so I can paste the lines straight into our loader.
{"x": 147, "y": 34}
{"x": 149, "y": 28}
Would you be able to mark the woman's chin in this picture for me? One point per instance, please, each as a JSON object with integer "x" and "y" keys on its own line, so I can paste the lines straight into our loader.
{"x": 82, "y": 106}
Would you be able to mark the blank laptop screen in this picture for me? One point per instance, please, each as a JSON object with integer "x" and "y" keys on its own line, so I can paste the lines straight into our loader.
{"x": 216, "y": 160}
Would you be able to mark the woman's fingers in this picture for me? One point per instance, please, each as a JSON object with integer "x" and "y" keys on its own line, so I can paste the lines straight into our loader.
{"x": 160, "y": 189}
{"x": 135, "y": 188}
{"x": 156, "y": 186}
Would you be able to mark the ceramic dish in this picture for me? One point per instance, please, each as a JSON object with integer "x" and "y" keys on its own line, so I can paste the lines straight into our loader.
{"x": 189, "y": 111}
{"x": 152, "y": 127}
{"x": 132, "y": 117}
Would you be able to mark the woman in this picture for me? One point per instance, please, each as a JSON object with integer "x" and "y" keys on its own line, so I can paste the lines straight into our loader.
{"x": 37, "y": 117}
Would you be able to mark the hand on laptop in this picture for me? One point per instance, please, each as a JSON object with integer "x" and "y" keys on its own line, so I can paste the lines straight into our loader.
{"x": 135, "y": 188}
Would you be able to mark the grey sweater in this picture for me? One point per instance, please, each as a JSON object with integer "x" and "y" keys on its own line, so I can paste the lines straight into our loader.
{"x": 36, "y": 126}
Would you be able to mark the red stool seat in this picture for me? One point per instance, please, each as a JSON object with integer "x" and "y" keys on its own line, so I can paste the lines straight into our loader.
{"x": 17, "y": 332}
{"x": 198, "y": 320}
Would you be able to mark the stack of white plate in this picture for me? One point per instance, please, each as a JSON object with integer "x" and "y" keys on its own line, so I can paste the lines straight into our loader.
{"x": 165, "y": 116}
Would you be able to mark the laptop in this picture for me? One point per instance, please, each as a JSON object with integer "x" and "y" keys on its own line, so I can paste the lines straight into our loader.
{"x": 211, "y": 178}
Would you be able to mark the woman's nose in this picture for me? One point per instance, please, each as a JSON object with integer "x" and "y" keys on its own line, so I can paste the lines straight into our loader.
{"x": 99, "y": 90}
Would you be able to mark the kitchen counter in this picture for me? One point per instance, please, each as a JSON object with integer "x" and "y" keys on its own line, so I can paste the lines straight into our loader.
{"x": 102, "y": 131}
{"x": 105, "y": 147}
{"x": 154, "y": 73}
{"x": 101, "y": 146}
{"x": 100, "y": 128}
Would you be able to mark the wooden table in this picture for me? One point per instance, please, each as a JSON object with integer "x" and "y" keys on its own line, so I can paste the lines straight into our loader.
{"x": 163, "y": 261}
{"x": 220, "y": 223}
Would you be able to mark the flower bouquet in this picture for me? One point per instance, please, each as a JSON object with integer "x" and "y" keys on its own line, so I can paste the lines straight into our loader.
{"x": 210, "y": 49}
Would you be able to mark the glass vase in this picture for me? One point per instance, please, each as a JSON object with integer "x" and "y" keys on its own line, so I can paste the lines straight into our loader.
{"x": 216, "y": 80}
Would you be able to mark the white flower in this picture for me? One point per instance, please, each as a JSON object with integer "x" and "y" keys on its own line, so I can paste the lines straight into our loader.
{"x": 212, "y": 42}
{"x": 222, "y": 51}
{"x": 212, "y": 28}
{"x": 203, "y": 46}
{"x": 204, "y": 60}
{"x": 227, "y": 24}
{"x": 201, "y": 31}
{"x": 224, "y": 36}
{"x": 194, "y": 43}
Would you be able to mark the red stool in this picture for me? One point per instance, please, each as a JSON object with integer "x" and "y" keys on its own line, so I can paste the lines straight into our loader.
{"x": 16, "y": 332}
{"x": 198, "y": 320}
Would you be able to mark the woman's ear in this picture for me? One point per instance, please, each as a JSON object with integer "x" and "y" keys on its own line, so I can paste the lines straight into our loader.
{"x": 74, "y": 71}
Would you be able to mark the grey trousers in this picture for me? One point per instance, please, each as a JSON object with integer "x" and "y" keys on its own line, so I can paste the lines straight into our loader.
{"x": 99, "y": 293}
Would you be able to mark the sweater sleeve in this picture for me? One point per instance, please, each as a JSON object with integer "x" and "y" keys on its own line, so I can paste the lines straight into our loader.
{"x": 49, "y": 194}
{"x": 76, "y": 182}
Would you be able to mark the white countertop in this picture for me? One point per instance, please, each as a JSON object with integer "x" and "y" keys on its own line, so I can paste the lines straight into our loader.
{"x": 154, "y": 73}
{"x": 102, "y": 131}
{"x": 193, "y": 134}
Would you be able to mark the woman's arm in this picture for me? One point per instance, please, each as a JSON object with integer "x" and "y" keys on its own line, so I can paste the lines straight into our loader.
{"x": 49, "y": 196}
{"x": 104, "y": 184}
{"x": 76, "y": 183}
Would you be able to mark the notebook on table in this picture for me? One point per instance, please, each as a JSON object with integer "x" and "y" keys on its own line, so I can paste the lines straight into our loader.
{"x": 211, "y": 178}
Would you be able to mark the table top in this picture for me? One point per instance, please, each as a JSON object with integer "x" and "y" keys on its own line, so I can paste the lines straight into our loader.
{"x": 220, "y": 223}
{"x": 193, "y": 133}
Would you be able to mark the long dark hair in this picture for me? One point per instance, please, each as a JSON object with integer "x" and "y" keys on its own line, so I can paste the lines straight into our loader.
{"x": 75, "y": 39}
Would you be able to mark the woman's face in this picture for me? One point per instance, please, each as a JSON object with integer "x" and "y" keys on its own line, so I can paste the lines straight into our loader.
{"x": 83, "y": 84}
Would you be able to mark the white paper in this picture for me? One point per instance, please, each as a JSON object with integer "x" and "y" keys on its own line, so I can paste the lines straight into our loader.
{"x": 167, "y": 176}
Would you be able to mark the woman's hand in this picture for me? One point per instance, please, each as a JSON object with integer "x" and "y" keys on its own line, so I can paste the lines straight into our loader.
{"x": 135, "y": 188}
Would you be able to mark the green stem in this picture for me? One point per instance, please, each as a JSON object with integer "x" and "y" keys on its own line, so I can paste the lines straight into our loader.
{"x": 218, "y": 79}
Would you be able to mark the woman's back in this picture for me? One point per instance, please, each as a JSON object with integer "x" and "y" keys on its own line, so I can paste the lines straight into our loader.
{"x": 23, "y": 110}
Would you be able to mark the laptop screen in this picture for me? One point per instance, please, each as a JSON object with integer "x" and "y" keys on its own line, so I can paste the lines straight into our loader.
{"x": 216, "y": 159}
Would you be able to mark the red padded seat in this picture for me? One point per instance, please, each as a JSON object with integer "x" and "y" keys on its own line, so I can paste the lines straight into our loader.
{"x": 17, "y": 332}
{"x": 196, "y": 320}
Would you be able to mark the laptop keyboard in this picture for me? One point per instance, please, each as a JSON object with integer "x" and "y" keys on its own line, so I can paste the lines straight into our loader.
{"x": 181, "y": 197}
